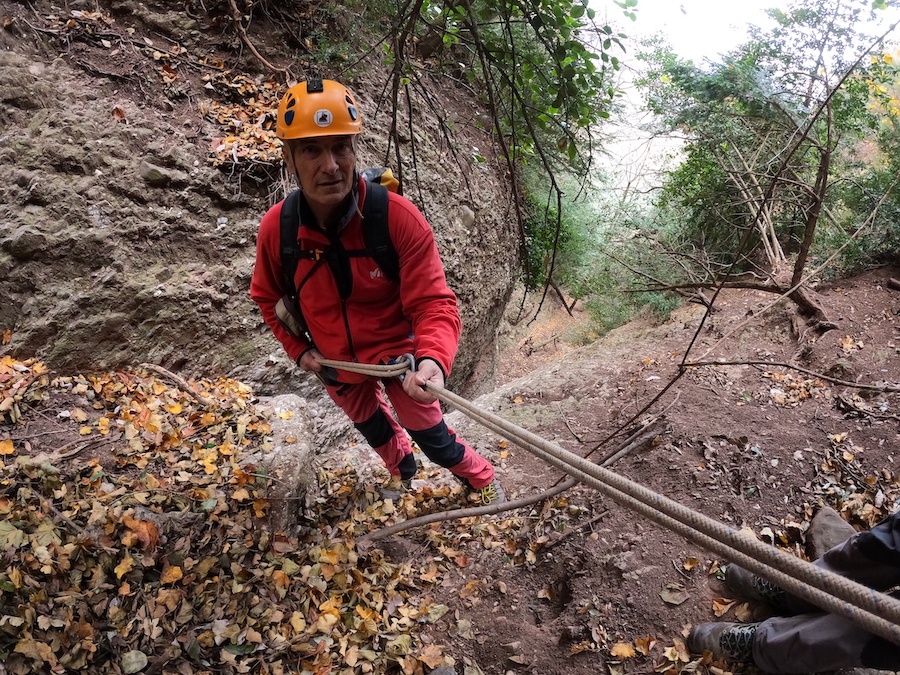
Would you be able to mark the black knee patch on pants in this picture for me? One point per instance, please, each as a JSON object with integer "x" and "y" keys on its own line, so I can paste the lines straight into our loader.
{"x": 376, "y": 430}
{"x": 439, "y": 445}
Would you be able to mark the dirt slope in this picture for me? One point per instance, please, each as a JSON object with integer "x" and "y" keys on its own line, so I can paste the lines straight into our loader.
{"x": 752, "y": 446}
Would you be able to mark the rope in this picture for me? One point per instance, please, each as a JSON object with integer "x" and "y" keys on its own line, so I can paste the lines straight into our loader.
{"x": 877, "y": 612}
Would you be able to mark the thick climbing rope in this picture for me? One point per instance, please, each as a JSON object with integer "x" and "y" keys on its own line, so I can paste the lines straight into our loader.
{"x": 876, "y": 612}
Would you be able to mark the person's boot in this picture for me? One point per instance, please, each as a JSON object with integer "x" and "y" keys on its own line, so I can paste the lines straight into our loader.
{"x": 394, "y": 488}
{"x": 750, "y": 586}
{"x": 729, "y": 641}
{"x": 826, "y": 530}
{"x": 492, "y": 493}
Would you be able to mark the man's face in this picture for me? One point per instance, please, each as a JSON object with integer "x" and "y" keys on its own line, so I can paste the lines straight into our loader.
{"x": 324, "y": 166}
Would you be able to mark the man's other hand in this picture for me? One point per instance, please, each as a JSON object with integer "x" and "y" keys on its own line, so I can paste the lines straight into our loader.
{"x": 309, "y": 361}
{"x": 428, "y": 372}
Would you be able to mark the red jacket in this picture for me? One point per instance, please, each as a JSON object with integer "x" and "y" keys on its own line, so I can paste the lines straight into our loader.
{"x": 381, "y": 319}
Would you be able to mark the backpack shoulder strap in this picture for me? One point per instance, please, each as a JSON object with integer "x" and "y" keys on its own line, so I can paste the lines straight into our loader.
{"x": 376, "y": 232}
{"x": 289, "y": 250}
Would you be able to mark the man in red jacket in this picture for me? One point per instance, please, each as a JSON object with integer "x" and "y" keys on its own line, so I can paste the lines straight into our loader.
{"x": 352, "y": 310}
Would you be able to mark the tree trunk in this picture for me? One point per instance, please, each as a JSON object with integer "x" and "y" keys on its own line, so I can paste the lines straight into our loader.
{"x": 815, "y": 208}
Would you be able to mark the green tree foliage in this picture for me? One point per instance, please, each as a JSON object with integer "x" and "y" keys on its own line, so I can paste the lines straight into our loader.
{"x": 870, "y": 179}
{"x": 771, "y": 134}
{"x": 548, "y": 61}
{"x": 545, "y": 69}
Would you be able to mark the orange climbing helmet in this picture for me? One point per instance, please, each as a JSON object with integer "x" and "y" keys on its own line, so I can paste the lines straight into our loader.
{"x": 317, "y": 108}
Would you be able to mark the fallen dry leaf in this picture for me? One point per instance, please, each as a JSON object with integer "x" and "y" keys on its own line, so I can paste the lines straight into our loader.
{"x": 674, "y": 594}
{"x": 720, "y": 606}
{"x": 622, "y": 650}
{"x": 644, "y": 645}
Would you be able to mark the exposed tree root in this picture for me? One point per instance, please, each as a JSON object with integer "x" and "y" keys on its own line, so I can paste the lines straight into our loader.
{"x": 237, "y": 17}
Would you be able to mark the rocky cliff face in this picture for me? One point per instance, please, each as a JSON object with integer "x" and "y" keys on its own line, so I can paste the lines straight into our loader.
{"x": 122, "y": 242}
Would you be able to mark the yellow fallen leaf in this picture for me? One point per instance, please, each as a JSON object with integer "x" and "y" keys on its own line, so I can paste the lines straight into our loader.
{"x": 368, "y": 613}
{"x": 326, "y": 623}
{"x": 691, "y": 563}
{"x": 298, "y": 623}
{"x": 517, "y": 400}
{"x": 171, "y": 574}
{"x": 7, "y": 447}
{"x": 622, "y": 650}
{"x": 644, "y": 645}
{"x": 124, "y": 567}
{"x": 285, "y": 414}
{"x": 431, "y": 656}
{"x": 329, "y": 556}
{"x": 720, "y": 606}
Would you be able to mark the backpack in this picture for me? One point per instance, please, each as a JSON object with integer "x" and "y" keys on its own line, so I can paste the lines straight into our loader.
{"x": 376, "y": 235}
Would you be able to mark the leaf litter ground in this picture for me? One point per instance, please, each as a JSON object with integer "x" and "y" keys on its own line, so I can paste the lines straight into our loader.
{"x": 140, "y": 544}
{"x": 134, "y": 533}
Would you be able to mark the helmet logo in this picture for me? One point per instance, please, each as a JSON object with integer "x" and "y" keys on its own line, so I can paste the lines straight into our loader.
{"x": 324, "y": 118}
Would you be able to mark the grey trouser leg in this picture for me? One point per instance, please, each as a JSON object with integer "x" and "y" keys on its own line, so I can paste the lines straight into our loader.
{"x": 813, "y": 642}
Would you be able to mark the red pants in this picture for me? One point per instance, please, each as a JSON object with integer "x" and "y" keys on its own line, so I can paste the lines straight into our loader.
{"x": 366, "y": 407}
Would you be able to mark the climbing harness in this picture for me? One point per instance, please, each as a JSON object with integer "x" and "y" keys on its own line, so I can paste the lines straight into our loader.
{"x": 877, "y": 612}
